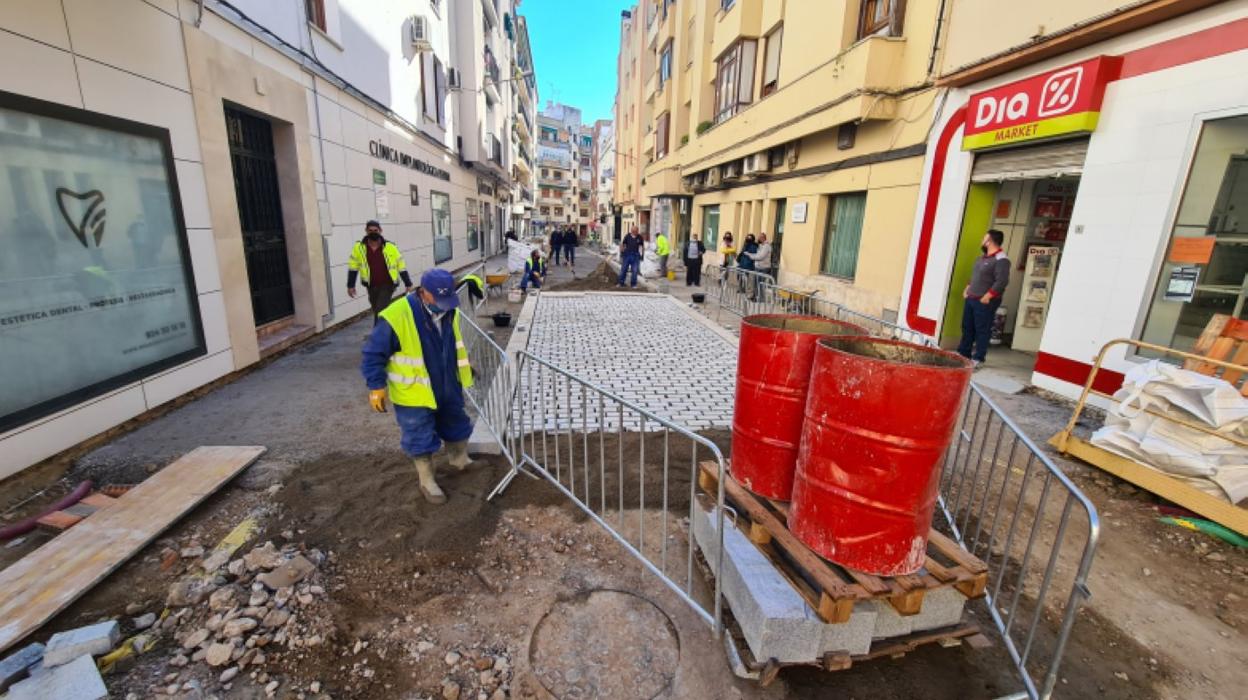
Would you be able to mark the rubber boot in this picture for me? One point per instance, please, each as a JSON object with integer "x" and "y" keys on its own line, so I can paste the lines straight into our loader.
{"x": 457, "y": 452}
{"x": 428, "y": 487}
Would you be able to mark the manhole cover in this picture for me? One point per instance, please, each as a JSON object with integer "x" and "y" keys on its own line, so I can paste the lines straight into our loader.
{"x": 612, "y": 645}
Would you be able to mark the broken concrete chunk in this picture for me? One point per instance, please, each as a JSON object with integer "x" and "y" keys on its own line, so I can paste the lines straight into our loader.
{"x": 189, "y": 591}
{"x": 265, "y": 556}
{"x": 142, "y": 622}
{"x": 222, "y": 599}
{"x": 219, "y": 654}
{"x": 77, "y": 679}
{"x": 93, "y": 640}
{"x": 275, "y": 618}
{"x": 287, "y": 574}
{"x": 16, "y": 666}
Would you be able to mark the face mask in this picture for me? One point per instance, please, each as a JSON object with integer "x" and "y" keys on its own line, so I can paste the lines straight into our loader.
{"x": 434, "y": 309}
{"x": 984, "y": 249}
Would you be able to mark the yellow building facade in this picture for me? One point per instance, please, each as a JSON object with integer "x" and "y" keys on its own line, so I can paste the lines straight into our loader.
{"x": 804, "y": 120}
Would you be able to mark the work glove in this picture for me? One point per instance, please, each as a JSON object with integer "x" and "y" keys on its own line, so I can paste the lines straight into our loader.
{"x": 377, "y": 399}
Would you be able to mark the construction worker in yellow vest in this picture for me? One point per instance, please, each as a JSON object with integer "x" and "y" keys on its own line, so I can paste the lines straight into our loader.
{"x": 662, "y": 248}
{"x": 416, "y": 357}
{"x": 379, "y": 264}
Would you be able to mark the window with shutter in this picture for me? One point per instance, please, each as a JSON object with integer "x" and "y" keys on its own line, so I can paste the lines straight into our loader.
{"x": 771, "y": 62}
{"x": 843, "y": 234}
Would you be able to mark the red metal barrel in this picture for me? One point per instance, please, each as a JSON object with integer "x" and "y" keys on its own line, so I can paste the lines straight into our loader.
{"x": 880, "y": 415}
{"x": 773, "y": 372}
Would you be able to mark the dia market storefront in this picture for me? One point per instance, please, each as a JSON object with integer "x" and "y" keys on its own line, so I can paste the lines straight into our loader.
{"x": 1119, "y": 176}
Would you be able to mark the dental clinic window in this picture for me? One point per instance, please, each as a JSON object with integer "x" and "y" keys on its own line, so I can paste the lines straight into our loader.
{"x": 442, "y": 250}
{"x": 96, "y": 290}
{"x": 1205, "y": 270}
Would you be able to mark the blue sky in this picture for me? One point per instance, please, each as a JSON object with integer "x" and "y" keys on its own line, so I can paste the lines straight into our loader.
{"x": 575, "y": 43}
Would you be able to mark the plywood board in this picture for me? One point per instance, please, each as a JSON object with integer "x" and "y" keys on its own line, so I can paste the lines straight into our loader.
{"x": 47, "y": 580}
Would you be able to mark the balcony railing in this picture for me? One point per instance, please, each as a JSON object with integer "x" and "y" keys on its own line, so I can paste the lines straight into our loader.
{"x": 491, "y": 65}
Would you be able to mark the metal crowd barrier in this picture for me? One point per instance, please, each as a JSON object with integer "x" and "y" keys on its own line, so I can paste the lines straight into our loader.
{"x": 629, "y": 470}
{"x": 1000, "y": 497}
{"x": 465, "y": 299}
{"x": 490, "y": 395}
{"x": 1008, "y": 504}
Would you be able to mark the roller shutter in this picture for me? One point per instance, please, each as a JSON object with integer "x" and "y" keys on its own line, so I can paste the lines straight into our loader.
{"x": 1056, "y": 159}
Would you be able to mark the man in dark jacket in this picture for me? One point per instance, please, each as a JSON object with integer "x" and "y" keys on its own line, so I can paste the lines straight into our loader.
{"x": 556, "y": 244}
{"x": 982, "y": 296}
{"x": 379, "y": 264}
{"x": 694, "y": 250}
{"x": 631, "y": 249}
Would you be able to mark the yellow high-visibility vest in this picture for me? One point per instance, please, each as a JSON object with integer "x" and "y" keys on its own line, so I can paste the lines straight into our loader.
{"x": 359, "y": 260}
{"x": 407, "y": 378}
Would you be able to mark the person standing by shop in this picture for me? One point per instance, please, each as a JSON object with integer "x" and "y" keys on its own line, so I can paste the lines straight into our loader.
{"x": 761, "y": 258}
{"x": 727, "y": 247}
{"x": 662, "y": 249}
{"x": 556, "y": 244}
{"x": 379, "y": 264}
{"x": 694, "y": 251}
{"x": 989, "y": 278}
{"x": 630, "y": 256}
{"x": 416, "y": 357}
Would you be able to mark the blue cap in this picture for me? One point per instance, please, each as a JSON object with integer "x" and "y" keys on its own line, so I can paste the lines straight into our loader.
{"x": 441, "y": 284}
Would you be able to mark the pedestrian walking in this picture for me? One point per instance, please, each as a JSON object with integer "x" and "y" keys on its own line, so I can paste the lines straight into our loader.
{"x": 989, "y": 278}
{"x": 417, "y": 359}
{"x": 662, "y": 249}
{"x": 761, "y": 258}
{"x": 556, "y": 244}
{"x": 379, "y": 265}
{"x": 534, "y": 271}
{"x": 570, "y": 240}
{"x": 630, "y": 256}
{"x": 694, "y": 251}
{"x": 727, "y": 248}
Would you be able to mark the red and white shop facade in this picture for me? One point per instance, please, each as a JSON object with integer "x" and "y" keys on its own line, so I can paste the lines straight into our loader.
{"x": 1094, "y": 163}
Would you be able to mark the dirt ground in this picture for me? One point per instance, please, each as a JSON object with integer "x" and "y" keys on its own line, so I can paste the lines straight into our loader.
{"x": 529, "y": 597}
{"x": 602, "y": 279}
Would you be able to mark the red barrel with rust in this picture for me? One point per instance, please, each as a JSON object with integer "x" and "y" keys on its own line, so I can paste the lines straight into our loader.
{"x": 879, "y": 418}
{"x": 773, "y": 373}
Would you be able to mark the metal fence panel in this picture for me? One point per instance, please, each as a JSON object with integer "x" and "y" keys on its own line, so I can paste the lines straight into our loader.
{"x": 631, "y": 471}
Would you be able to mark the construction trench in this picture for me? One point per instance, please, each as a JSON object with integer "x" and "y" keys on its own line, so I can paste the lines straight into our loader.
{"x": 580, "y": 581}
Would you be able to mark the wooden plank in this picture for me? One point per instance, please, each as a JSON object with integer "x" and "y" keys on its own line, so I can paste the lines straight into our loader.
{"x": 955, "y": 552}
{"x": 44, "y": 582}
{"x": 1232, "y": 376}
{"x": 1207, "y": 506}
{"x": 807, "y": 560}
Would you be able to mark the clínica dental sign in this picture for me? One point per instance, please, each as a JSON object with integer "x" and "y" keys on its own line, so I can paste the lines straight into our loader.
{"x": 1057, "y": 103}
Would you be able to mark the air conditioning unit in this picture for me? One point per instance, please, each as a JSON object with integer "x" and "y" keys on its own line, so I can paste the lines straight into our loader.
{"x": 420, "y": 34}
{"x": 756, "y": 164}
{"x": 454, "y": 78}
{"x": 731, "y": 170}
{"x": 713, "y": 177}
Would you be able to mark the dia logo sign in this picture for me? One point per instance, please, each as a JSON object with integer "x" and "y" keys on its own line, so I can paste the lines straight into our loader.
{"x": 84, "y": 213}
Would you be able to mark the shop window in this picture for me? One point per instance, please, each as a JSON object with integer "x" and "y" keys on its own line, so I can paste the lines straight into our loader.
{"x": 842, "y": 234}
{"x": 771, "y": 61}
{"x": 734, "y": 79}
{"x": 443, "y": 250}
{"x": 710, "y": 226}
{"x": 665, "y": 64}
{"x": 316, "y": 13}
{"x": 875, "y": 16}
{"x": 474, "y": 222}
{"x": 1205, "y": 271}
{"x": 660, "y": 136}
{"x": 96, "y": 288}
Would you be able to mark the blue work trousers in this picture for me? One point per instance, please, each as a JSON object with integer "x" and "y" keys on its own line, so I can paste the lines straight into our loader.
{"x": 629, "y": 261}
{"x": 424, "y": 429}
{"x": 977, "y": 327}
{"x": 530, "y": 278}
{"x": 569, "y": 251}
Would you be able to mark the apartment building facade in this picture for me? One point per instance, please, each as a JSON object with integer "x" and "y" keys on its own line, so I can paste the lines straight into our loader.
{"x": 605, "y": 221}
{"x": 524, "y": 129}
{"x": 565, "y": 169}
{"x": 802, "y": 120}
{"x": 1112, "y": 150}
{"x": 190, "y": 198}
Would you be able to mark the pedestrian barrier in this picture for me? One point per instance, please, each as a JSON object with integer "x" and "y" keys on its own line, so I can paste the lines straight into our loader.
{"x": 490, "y": 395}
{"x": 1008, "y": 504}
{"x": 1001, "y": 497}
{"x": 629, "y": 470}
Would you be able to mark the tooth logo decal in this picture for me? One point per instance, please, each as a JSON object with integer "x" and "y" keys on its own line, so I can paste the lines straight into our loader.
{"x": 84, "y": 213}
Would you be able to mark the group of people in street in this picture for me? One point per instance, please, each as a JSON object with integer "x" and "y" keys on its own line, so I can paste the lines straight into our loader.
{"x": 564, "y": 240}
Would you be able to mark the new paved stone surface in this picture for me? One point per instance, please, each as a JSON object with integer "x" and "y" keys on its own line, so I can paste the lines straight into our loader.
{"x": 646, "y": 349}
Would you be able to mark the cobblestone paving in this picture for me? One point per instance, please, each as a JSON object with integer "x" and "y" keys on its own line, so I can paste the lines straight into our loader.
{"x": 665, "y": 360}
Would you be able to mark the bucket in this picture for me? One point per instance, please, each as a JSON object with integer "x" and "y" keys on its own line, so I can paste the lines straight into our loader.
{"x": 773, "y": 372}
{"x": 879, "y": 418}
{"x": 502, "y": 319}
{"x": 671, "y": 275}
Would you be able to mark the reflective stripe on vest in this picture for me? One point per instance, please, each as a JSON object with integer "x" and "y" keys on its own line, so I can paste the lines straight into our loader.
{"x": 389, "y": 251}
{"x": 407, "y": 376}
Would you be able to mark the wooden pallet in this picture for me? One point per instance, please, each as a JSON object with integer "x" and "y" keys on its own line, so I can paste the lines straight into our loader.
{"x": 830, "y": 589}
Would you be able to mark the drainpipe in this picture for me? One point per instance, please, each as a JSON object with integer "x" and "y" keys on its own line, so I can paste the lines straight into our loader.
{"x": 199, "y": 15}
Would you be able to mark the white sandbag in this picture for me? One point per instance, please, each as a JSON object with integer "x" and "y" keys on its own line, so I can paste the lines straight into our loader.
{"x": 650, "y": 264}
{"x": 1210, "y": 400}
{"x": 517, "y": 253}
